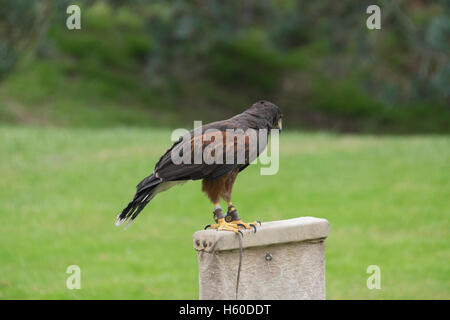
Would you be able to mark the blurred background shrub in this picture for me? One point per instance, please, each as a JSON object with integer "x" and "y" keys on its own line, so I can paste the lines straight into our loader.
{"x": 165, "y": 63}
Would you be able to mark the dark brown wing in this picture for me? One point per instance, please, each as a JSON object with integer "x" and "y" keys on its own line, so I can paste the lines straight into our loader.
{"x": 208, "y": 147}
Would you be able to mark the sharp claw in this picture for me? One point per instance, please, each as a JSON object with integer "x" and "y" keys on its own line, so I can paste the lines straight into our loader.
{"x": 241, "y": 233}
{"x": 253, "y": 226}
{"x": 258, "y": 222}
{"x": 207, "y": 226}
{"x": 241, "y": 225}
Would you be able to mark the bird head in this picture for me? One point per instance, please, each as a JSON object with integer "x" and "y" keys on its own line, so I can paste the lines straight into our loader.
{"x": 270, "y": 112}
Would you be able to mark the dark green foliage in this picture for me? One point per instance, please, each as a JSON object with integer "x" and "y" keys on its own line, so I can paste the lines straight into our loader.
{"x": 345, "y": 98}
{"x": 21, "y": 24}
{"x": 247, "y": 61}
{"x": 114, "y": 39}
{"x": 211, "y": 59}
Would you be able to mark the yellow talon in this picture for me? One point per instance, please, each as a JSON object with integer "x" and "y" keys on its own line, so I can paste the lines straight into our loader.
{"x": 241, "y": 224}
{"x": 221, "y": 225}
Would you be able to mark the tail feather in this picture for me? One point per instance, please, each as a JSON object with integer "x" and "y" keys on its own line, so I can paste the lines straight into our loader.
{"x": 144, "y": 193}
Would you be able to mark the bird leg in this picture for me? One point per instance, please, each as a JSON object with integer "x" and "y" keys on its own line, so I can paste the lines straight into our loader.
{"x": 221, "y": 224}
{"x": 233, "y": 218}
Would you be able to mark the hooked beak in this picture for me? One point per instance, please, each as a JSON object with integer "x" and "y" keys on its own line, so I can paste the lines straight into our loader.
{"x": 279, "y": 125}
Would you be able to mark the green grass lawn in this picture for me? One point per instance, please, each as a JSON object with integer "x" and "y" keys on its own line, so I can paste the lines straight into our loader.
{"x": 387, "y": 200}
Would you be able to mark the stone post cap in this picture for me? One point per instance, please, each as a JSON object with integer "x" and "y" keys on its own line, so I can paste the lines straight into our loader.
{"x": 269, "y": 233}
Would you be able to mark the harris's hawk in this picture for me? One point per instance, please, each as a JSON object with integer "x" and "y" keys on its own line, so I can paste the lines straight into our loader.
{"x": 235, "y": 142}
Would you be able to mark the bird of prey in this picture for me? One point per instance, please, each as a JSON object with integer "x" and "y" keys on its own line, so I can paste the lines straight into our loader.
{"x": 235, "y": 142}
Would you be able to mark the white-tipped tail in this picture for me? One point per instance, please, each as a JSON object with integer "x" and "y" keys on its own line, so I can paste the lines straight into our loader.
{"x": 119, "y": 221}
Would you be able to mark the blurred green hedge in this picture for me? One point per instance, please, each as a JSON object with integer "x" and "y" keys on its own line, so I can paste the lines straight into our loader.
{"x": 185, "y": 59}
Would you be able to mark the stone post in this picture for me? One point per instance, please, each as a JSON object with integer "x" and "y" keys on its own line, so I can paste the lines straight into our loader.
{"x": 282, "y": 260}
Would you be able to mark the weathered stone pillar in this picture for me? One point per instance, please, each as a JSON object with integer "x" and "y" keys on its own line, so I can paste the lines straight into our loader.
{"x": 282, "y": 260}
